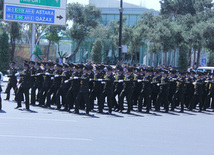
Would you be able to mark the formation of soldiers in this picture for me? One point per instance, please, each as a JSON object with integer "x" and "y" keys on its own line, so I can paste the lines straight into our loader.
{"x": 87, "y": 87}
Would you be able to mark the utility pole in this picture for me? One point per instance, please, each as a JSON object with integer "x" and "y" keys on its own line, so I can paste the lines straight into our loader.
{"x": 120, "y": 30}
{"x": 33, "y": 41}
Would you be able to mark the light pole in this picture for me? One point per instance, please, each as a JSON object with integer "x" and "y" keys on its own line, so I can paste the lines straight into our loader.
{"x": 120, "y": 29}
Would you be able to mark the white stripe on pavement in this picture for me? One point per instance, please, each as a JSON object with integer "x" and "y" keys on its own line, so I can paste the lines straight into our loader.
{"x": 39, "y": 137}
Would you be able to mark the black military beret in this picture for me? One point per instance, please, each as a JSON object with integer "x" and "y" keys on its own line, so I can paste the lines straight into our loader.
{"x": 26, "y": 64}
{"x": 32, "y": 62}
{"x": 38, "y": 63}
{"x": 130, "y": 69}
{"x": 109, "y": 68}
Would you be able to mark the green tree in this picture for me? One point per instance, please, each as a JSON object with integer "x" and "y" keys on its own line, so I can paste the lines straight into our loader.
{"x": 1, "y": 9}
{"x": 14, "y": 36}
{"x": 84, "y": 19}
{"x": 96, "y": 53}
{"x": 54, "y": 34}
{"x": 4, "y": 52}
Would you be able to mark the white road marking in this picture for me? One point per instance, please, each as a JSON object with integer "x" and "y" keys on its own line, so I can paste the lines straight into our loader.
{"x": 39, "y": 119}
{"x": 40, "y": 137}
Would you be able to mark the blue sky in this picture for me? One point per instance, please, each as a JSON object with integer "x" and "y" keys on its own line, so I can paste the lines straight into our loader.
{"x": 150, "y": 4}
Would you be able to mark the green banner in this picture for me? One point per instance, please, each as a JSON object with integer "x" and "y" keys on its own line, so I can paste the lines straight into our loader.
{"x": 53, "y": 3}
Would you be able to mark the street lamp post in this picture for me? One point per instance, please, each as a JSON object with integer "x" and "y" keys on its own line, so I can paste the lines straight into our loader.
{"x": 120, "y": 29}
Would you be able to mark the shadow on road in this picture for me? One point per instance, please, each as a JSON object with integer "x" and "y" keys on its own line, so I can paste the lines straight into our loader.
{"x": 2, "y": 111}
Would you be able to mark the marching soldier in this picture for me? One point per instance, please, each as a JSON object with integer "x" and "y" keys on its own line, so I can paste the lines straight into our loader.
{"x": 24, "y": 86}
{"x": 64, "y": 88}
{"x": 97, "y": 87}
{"x": 119, "y": 77}
{"x": 12, "y": 80}
{"x": 198, "y": 92}
{"x": 37, "y": 84}
{"x": 55, "y": 86}
{"x": 164, "y": 92}
{"x": 146, "y": 92}
{"x": 83, "y": 92}
{"x": 127, "y": 90}
{"x": 108, "y": 91}
{"x": 179, "y": 94}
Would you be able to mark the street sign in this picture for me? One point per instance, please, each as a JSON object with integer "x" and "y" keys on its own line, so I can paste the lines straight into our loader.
{"x": 34, "y": 13}
{"x": 60, "y": 4}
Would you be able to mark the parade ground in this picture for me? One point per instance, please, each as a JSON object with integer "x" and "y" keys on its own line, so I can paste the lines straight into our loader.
{"x": 43, "y": 131}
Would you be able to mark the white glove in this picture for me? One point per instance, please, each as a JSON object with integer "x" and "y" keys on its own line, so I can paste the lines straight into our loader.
{"x": 38, "y": 74}
{"x": 56, "y": 76}
{"x": 120, "y": 81}
{"x": 66, "y": 81}
{"x": 75, "y": 77}
{"x": 158, "y": 84}
{"x": 139, "y": 80}
{"x": 99, "y": 79}
{"x": 47, "y": 73}
{"x": 17, "y": 74}
{"x": 103, "y": 82}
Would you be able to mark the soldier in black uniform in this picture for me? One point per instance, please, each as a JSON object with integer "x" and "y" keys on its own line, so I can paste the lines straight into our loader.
{"x": 12, "y": 80}
{"x": 210, "y": 94}
{"x": 74, "y": 87}
{"x": 97, "y": 87}
{"x": 37, "y": 84}
{"x": 83, "y": 91}
{"x": 164, "y": 92}
{"x": 108, "y": 90}
{"x": 62, "y": 91}
{"x": 146, "y": 92}
{"x": 137, "y": 86}
{"x": 189, "y": 89}
{"x": 172, "y": 84}
{"x": 46, "y": 84}
{"x": 54, "y": 87}
{"x": 118, "y": 86}
{"x": 198, "y": 92}
{"x": 178, "y": 97}
{"x": 24, "y": 87}
{"x": 32, "y": 72}
{"x": 127, "y": 91}
{"x": 155, "y": 88}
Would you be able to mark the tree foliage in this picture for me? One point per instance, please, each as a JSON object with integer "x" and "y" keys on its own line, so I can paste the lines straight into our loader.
{"x": 96, "y": 53}
{"x": 84, "y": 19}
{"x": 4, "y": 52}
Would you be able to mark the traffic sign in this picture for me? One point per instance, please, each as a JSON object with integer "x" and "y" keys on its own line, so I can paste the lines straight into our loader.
{"x": 35, "y": 14}
{"x": 60, "y": 4}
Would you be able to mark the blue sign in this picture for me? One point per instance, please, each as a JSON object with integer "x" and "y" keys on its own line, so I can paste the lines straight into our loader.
{"x": 203, "y": 62}
{"x": 26, "y": 14}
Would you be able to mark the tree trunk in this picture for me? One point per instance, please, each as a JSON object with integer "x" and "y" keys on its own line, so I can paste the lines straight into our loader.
{"x": 198, "y": 57}
{"x": 132, "y": 57}
{"x": 190, "y": 57}
{"x": 13, "y": 45}
{"x": 49, "y": 45}
{"x": 76, "y": 50}
{"x": 194, "y": 57}
{"x": 135, "y": 61}
{"x": 165, "y": 59}
{"x": 173, "y": 58}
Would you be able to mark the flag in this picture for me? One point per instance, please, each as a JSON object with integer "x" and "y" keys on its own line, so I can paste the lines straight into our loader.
{"x": 37, "y": 52}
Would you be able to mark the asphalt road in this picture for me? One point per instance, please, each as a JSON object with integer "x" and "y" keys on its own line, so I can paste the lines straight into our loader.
{"x": 47, "y": 131}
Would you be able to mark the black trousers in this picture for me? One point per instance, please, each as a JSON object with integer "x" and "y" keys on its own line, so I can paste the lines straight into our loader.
{"x": 71, "y": 96}
{"x": 9, "y": 86}
{"x": 147, "y": 101}
{"x": 195, "y": 100}
{"x": 101, "y": 101}
{"x": 92, "y": 97}
{"x": 82, "y": 96}
{"x": 61, "y": 92}
{"x": 128, "y": 95}
{"x": 33, "y": 94}
{"x": 43, "y": 94}
{"x": 178, "y": 98}
{"x": 162, "y": 99}
{"x": 20, "y": 93}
